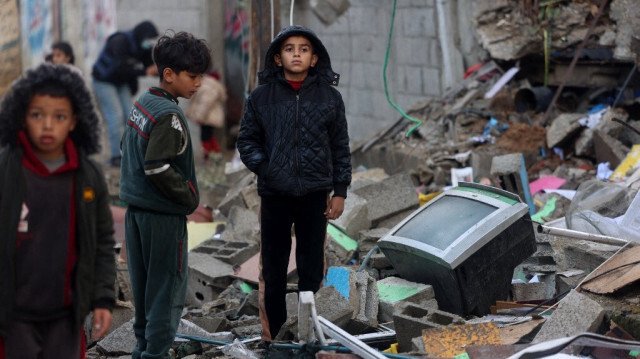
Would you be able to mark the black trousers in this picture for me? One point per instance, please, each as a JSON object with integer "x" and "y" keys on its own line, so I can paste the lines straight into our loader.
{"x": 278, "y": 215}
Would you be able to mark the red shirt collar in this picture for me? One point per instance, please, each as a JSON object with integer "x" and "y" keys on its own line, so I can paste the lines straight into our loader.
{"x": 33, "y": 163}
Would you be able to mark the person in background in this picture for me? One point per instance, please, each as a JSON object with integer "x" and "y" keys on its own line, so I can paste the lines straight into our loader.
{"x": 57, "y": 230}
{"x": 62, "y": 53}
{"x": 207, "y": 109}
{"x": 158, "y": 181}
{"x": 294, "y": 137}
{"x": 125, "y": 57}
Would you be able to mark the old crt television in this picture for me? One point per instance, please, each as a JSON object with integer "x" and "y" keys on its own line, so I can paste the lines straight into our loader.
{"x": 466, "y": 243}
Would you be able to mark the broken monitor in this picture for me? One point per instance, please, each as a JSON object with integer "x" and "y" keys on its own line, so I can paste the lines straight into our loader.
{"x": 466, "y": 243}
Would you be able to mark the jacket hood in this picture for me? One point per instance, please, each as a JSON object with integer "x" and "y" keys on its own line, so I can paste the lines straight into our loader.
{"x": 13, "y": 108}
{"x": 143, "y": 31}
{"x": 323, "y": 68}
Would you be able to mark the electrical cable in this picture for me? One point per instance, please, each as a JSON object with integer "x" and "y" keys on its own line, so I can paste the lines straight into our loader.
{"x": 291, "y": 13}
{"x": 418, "y": 123}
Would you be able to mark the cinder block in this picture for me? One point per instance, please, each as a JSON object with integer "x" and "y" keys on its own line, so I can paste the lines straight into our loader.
{"x": 394, "y": 290}
{"x": 208, "y": 276}
{"x": 576, "y": 313}
{"x": 228, "y": 249}
{"x": 512, "y": 172}
{"x": 529, "y": 291}
{"x": 410, "y": 319}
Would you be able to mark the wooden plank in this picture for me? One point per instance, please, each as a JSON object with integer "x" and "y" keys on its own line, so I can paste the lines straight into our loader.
{"x": 620, "y": 273}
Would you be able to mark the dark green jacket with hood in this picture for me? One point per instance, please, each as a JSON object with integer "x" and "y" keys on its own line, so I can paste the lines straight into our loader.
{"x": 296, "y": 141}
{"x": 93, "y": 283}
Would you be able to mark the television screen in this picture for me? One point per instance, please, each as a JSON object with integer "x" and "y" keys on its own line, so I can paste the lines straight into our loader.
{"x": 465, "y": 243}
{"x": 440, "y": 224}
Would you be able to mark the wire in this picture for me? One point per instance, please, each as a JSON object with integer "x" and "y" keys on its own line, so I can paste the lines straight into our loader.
{"x": 418, "y": 123}
{"x": 291, "y": 13}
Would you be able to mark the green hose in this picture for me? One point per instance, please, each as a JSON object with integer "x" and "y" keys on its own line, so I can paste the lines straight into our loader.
{"x": 418, "y": 123}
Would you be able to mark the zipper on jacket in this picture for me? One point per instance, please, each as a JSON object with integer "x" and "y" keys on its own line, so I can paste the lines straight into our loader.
{"x": 297, "y": 152}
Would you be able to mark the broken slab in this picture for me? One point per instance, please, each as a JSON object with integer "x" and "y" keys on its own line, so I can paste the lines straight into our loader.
{"x": 333, "y": 306}
{"x": 529, "y": 291}
{"x": 389, "y": 197}
{"x": 234, "y": 197}
{"x": 563, "y": 128}
{"x": 609, "y": 149}
{"x": 340, "y": 247}
{"x": 576, "y": 313}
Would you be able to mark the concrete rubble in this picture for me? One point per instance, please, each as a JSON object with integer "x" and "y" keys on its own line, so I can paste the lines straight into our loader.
{"x": 556, "y": 162}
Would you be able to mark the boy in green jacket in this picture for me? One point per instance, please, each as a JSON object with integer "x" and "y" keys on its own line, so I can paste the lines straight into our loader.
{"x": 158, "y": 182}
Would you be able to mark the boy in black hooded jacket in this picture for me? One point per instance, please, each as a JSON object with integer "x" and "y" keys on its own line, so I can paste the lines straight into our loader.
{"x": 294, "y": 137}
{"x": 56, "y": 246}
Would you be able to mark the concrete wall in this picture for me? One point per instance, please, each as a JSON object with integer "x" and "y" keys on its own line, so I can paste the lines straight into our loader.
{"x": 416, "y": 69}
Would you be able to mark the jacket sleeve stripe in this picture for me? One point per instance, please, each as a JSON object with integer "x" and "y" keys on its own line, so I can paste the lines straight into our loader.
{"x": 155, "y": 171}
{"x": 130, "y": 123}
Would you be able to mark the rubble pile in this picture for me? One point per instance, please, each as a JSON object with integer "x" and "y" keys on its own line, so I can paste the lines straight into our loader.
{"x": 573, "y": 162}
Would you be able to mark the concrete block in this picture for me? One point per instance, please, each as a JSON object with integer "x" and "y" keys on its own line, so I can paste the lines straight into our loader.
{"x": 368, "y": 239}
{"x": 340, "y": 247}
{"x": 243, "y": 220}
{"x": 119, "y": 342}
{"x": 580, "y": 254}
{"x": 292, "y": 301}
{"x": 563, "y": 128}
{"x": 393, "y": 291}
{"x": 608, "y": 149}
{"x": 247, "y": 331}
{"x": 360, "y": 289}
{"x": 529, "y": 291}
{"x": 355, "y": 216}
{"x": 481, "y": 163}
{"x": 376, "y": 174}
{"x": 213, "y": 195}
{"x": 228, "y": 248}
{"x": 410, "y": 319}
{"x": 207, "y": 277}
{"x": 583, "y": 145}
{"x": 395, "y": 219}
{"x": 251, "y": 197}
{"x": 512, "y": 172}
{"x": 576, "y": 313}
{"x": 389, "y": 197}
{"x": 333, "y": 306}
{"x": 329, "y": 10}
{"x": 234, "y": 196}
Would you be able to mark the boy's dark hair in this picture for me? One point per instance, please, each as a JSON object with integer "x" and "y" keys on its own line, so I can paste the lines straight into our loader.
{"x": 55, "y": 81}
{"x": 66, "y": 48}
{"x": 181, "y": 52}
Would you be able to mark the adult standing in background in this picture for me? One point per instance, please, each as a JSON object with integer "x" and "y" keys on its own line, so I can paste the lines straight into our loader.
{"x": 125, "y": 57}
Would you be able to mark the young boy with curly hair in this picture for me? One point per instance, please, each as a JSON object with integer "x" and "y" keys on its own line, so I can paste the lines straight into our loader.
{"x": 57, "y": 247}
{"x": 158, "y": 182}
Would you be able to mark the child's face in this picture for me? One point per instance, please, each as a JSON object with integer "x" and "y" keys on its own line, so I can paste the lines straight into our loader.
{"x": 182, "y": 84}
{"x": 59, "y": 57}
{"x": 48, "y": 123}
{"x": 296, "y": 57}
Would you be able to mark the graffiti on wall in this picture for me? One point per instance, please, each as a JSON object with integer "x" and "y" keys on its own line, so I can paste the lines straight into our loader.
{"x": 36, "y": 22}
{"x": 99, "y": 21}
{"x": 10, "y": 62}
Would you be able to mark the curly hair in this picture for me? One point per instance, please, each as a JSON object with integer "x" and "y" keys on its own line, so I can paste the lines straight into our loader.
{"x": 14, "y": 105}
{"x": 182, "y": 52}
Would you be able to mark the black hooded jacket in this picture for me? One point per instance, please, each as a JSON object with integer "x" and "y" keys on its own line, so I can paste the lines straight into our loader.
{"x": 296, "y": 141}
{"x": 123, "y": 58}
